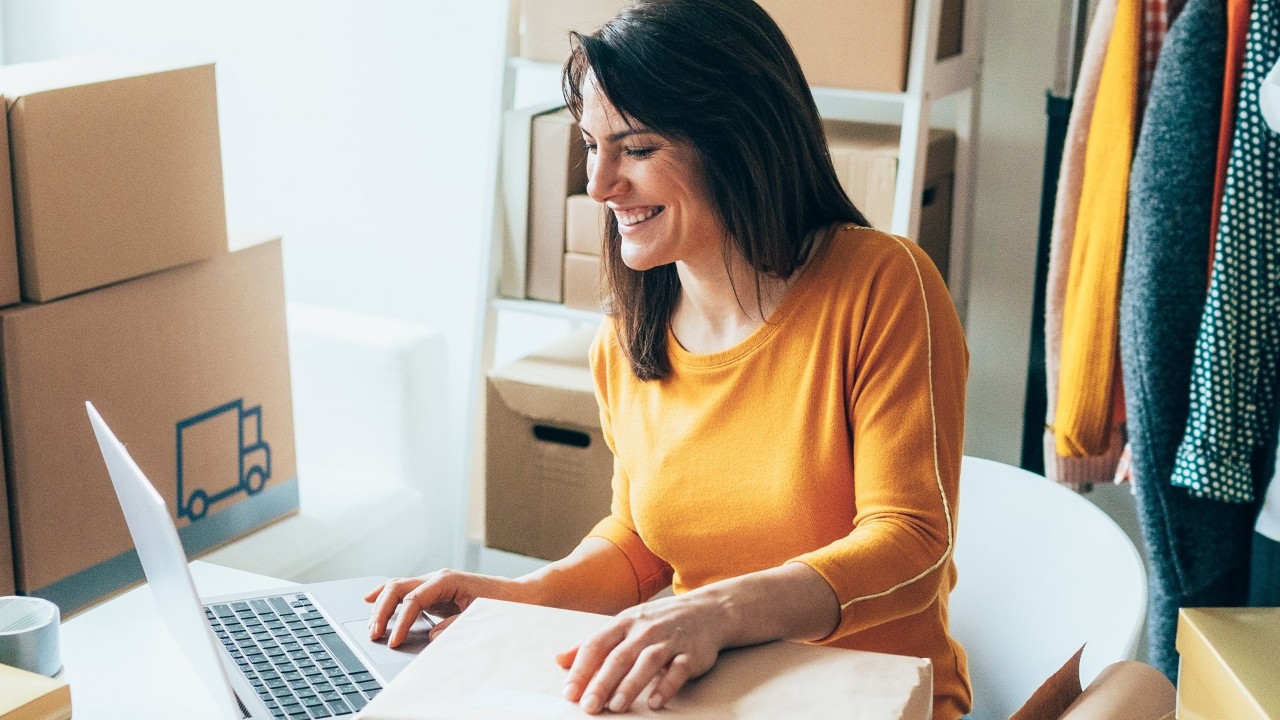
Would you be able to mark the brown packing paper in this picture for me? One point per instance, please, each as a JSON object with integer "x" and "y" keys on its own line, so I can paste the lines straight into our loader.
{"x": 28, "y": 696}
{"x": 1125, "y": 690}
{"x": 1057, "y": 693}
{"x": 496, "y": 662}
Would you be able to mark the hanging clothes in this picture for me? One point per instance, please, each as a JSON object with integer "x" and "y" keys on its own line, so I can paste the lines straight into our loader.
{"x": 1237, "y": 31}
{"x": 1076, "y": 473}
{"x": 1198, "y": 550}
{"x": 1264, "y": 580}
{"x": 1233, "y": 385}
{"x": 1089, "y": 369}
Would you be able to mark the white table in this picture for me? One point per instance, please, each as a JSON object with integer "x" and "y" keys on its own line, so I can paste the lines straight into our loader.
{"x": 121, "y": 661}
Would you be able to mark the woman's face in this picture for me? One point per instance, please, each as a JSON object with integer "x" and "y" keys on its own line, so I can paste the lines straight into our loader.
{"x": 654, "y": 186}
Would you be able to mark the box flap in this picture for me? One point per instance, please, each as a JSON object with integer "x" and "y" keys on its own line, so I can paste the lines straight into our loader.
{"x": 535, "y": 385}
{"x": 1233, "y": 649}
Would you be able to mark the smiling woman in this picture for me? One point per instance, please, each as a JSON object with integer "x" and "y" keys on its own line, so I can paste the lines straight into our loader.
{"x": 782, "y": 387}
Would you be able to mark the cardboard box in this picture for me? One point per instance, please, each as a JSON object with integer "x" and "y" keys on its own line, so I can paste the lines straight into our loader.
{"x": 582, "y": 282}
{"x": 514, "y": 216}
{"x": 548, "y": 472}
{"x": 10, "y": 292}
{"x": 585, "y": 223}
{"x": 865, "y": 157}
{"x": 545, "y": 25}
{"x": 117, "y": 171}
{"x": 191, "y": 369}
{"x": 858, "y": 44}
{"x": 557, "y": 169}
{"x": 1228, "y": 664}
{"x": 494, "y": 663}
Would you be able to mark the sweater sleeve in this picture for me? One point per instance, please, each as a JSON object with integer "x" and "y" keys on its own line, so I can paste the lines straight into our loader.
{"x": 908, "y": 368}
{"x": 652, "y": 574}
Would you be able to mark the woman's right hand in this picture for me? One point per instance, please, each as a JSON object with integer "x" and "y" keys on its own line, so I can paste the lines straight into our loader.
{"x": 444, "y": 593}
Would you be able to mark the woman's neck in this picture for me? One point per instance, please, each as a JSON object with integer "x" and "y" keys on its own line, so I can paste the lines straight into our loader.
{"x": 719, "y": 306}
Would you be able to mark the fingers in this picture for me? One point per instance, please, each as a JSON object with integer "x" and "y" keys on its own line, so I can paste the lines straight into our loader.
{"x": 670, "y": 681}
{"x": 587, "y": 663}
{"x": 440, "y": 627}
{"x": 649, "y": 665}
{"x": 386, "y": 599}
{"x": 422, "y": 596}
{"x": 566, "y": 658}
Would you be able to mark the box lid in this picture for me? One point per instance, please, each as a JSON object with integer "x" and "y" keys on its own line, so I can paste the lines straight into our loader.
{"x": 553, "y": 383}
{"x": 1234, "y": 649}
{"x": 22, "y": 79}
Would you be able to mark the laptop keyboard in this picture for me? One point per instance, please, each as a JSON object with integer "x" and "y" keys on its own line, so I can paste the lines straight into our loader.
{"x": 293, "y": 656}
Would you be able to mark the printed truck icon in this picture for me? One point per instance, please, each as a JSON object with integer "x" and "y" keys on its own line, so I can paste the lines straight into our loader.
{"x": 220, "y": 453}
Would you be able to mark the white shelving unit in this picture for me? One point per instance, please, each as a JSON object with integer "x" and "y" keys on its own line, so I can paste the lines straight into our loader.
{"x": 955, "y": 79}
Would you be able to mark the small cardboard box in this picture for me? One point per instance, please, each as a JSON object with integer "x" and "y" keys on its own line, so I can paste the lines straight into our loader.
{"x": 582, "y": 282}
{"x": 1228, "y": 666}
{"x": 557, "y": 170}
{"x": 548, "y": 471}
{"x": 858, "y": 44}
{"x": 117, "y": 171}
{"x": 584, "y": 225}
{"x": 191, "y": 369}
{"x": 865, "y": 157}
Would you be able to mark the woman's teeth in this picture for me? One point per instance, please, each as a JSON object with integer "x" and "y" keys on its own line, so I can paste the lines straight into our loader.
{"x": 634, "y": 217}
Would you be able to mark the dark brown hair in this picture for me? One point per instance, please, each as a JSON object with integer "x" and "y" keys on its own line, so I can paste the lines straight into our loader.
{"x": 719, "y": 75}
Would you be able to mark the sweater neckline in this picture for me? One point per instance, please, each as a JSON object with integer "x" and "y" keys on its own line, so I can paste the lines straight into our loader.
{"x": 794, "y": 297}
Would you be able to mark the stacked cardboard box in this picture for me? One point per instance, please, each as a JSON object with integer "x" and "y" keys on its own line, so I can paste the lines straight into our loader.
{"x": 134, "y": 302}
{"x": 858, "y": 44}
{"x": 584, "y": 234}
{"x": 866, "y": 161}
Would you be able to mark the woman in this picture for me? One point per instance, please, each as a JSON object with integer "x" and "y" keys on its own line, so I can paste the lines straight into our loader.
{"x": 782, "y": 387}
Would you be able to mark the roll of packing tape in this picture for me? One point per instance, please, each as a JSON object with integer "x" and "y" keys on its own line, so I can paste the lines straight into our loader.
{"x": 29, "y": 634}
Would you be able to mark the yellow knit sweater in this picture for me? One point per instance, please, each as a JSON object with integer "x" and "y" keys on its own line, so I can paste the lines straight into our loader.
{"x": 831, "y": 436}
{"x": 1090, "y": 316}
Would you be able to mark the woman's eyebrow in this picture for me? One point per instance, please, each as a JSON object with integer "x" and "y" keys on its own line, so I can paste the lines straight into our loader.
{"x": 620, "y": 135}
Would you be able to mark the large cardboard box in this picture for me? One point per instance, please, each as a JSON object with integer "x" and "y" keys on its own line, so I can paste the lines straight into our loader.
{"x": 191, "y": 369}
{"x": 865, "y": 157}
{"x": 557, "y": 170}
{"x": 858, "y": 44}
{"x": 548, "y": 471}
{"x": 117, "y": 171}
{"x": 1228, "y": 663}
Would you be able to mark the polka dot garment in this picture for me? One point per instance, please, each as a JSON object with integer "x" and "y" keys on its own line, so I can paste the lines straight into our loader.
{"x": 1233, "y": 384}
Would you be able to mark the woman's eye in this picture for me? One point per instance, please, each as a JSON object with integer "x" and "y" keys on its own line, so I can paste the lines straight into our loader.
{"x": 589, "y": 147}
{"x": 642, "y": 152}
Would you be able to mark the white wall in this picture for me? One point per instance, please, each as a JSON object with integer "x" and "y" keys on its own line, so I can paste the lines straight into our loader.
{"x": 360, "y": 131}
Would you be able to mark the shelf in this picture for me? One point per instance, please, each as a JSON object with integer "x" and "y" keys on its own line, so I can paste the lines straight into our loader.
{"x": 546, "y": 309}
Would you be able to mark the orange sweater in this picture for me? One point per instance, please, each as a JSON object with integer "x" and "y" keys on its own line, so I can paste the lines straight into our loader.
{"x": 831, "y": 436}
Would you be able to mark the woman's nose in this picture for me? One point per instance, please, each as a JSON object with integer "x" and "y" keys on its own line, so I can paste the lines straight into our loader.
{"x": 604, "y": 180}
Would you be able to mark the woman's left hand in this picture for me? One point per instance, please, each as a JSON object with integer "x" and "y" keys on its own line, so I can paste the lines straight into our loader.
{"x": 669, "y": 640}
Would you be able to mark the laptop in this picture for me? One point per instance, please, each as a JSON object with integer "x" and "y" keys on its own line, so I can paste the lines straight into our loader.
{"x": 300, "y": 652}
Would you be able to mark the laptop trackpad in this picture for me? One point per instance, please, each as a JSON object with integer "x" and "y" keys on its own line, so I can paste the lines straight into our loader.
{"x": 378, "y": 651}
